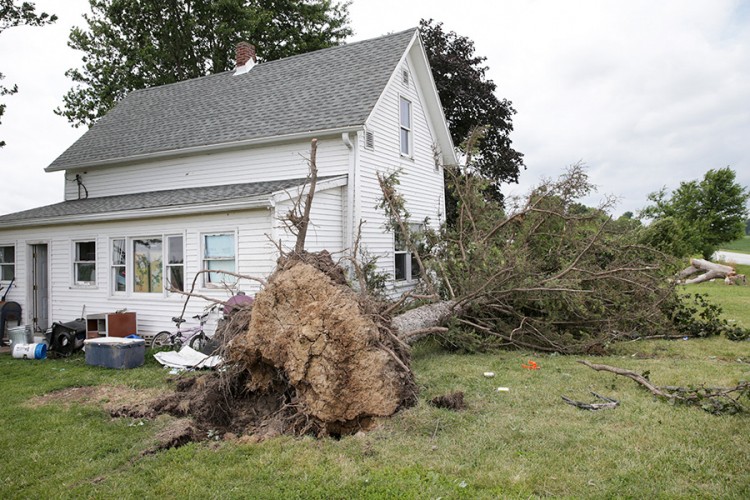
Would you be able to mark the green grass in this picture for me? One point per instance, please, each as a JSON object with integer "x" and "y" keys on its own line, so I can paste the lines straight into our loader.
{"x": 735, "y": 300}
{"x": 742, "y": 245}
{"x": 521, "y": 443}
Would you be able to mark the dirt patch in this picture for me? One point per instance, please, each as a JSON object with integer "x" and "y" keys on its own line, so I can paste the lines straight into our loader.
{"x": 178, "y": 433}
{"x": 453, "y": 401}
{"x": 109, "y": 397}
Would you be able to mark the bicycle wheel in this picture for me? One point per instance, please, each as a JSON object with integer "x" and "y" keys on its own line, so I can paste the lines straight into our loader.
{"x": 198, "y": 342}
{"x": 162, "y": 339}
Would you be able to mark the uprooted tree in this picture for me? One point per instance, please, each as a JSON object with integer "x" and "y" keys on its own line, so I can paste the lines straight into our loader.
{"x": 315, "y": 356}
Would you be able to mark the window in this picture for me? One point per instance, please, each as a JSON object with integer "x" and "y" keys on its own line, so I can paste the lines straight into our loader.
{"x": 175, "y": 263}
{"x": 7, "y": 263}
{"x": 118, "y": 273}
{"x": 219, "y": 255}
{"x": 84, "y": 264}
{"x": 405, "y": 262}
{"x": 405, "y": 117}
{"x": 147, "y": 265}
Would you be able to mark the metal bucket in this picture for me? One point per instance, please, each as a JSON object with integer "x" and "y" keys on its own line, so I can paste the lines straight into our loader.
{"x": 20, "y": 335}
{"x": 30, "y": 351}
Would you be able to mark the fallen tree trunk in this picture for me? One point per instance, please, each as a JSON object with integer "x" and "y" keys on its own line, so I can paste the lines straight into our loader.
{"x": 712, "y": 271}
{"x": 711, "y": 266}
{"x": 710, "y": 275}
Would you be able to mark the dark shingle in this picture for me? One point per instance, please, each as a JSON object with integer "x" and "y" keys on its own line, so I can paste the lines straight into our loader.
{"x": 154, "y": 199}
{"x": 325, "y": 89}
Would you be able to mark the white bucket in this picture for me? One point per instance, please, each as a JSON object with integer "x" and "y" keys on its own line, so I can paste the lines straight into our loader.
{"x": 30, "y": 351}
{"x": 20, "y": 335}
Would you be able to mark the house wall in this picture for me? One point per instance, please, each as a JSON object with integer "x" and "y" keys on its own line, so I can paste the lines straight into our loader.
{"x": 258, "y": 164}
{"x": 256, "y": 256}
{"x": 421, "y": 182}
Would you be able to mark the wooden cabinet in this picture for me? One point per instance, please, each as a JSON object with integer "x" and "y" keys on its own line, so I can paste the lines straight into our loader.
{"x": 117, "y": 324}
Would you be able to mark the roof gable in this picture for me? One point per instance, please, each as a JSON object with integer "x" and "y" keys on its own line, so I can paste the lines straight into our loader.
{"x": 322, "y": 90}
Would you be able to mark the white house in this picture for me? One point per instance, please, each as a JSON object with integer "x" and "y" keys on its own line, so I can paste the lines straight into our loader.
{"x": 195, "y": 175}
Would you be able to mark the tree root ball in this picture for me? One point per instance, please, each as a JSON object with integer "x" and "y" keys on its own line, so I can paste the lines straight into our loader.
{"x": 313, "y": 334}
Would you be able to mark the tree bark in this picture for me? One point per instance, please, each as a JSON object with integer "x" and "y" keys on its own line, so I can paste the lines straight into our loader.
{"x": 705, "y": 277}
{"x": 711, "y": 266}
{"x": 425, "y": 320}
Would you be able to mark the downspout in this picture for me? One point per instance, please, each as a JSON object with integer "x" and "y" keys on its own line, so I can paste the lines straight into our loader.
{"x": 350, "y": 193}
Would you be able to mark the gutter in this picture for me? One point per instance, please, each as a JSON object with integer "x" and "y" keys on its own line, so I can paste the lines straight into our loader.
{"x": 350, "y": 193}
{"x": 196, "y": 150}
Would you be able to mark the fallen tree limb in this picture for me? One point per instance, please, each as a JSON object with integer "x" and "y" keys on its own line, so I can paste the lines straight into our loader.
{"x": 716, "y": 400}
{"x": 707, "y": 276}
{"x": 712, "y": 271}
{"x": 608, "y": 403}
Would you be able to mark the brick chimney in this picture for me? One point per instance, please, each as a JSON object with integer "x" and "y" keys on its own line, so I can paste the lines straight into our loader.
{"x": 244, "y": 52}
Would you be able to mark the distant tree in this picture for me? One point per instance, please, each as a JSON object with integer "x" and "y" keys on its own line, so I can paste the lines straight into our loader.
{"x": 13, "y": 14}
{"x": 469, "y": 101}
{"x": 747, "y": 227}
{"x": 704, "y": 214}
{"x": 134, "y": 44}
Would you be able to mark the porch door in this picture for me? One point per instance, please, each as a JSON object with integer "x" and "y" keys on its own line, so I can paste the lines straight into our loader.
{"x": 39, "y": 288}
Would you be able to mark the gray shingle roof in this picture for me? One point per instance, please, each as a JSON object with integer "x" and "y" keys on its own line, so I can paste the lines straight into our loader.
{"x": 325, "y": 89}
{"x": 172, "y": 198}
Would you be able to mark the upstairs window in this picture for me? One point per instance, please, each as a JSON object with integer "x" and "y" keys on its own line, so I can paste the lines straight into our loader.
{"x": 406, "y": 128}
{"x": 84, "y": 264}
{"x": 7, "y": 262}
{"x": 219, "y": 255}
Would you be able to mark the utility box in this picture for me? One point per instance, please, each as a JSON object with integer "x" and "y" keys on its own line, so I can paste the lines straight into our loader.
{"x": 113, "y": 352}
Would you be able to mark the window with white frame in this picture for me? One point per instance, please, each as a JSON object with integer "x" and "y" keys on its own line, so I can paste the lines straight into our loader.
{"x": 219, "y": 254}
{"x": 148, "y": 264}
{"x": 84, "y": 263}
{"x": 7, "y": 262}
{"x": 118, "y": 273}
{"x": 175, "y": 263}
{"x": 406, "y": 127}
{"x": 405, "y": 262}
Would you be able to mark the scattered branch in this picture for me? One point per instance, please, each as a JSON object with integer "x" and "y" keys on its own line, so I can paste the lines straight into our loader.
{"x": 714, "y": 400}
{"x": 608, "y": 403}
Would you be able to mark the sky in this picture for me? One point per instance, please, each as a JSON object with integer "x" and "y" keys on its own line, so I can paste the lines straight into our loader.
{"x": 646, "y": 94}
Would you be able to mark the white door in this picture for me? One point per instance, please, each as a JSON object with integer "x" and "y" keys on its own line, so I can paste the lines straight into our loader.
{"x": 39, "y": 287}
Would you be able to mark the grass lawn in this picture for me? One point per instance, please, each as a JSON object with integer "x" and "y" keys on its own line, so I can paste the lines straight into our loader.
{"x": 742, "y": 245}
{"x": 521, "y": 443}
{"x": 735, "y": 300}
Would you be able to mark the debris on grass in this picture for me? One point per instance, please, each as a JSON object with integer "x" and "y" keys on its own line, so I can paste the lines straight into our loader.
{"x": 453, "y": 401}
{"x": 608, "y": 403}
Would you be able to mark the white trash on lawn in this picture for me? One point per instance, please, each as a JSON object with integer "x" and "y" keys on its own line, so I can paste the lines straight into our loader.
{"x": 186, "y": 359}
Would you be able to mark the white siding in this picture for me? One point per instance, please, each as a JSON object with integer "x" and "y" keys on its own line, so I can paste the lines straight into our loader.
{"x": 256, "y": 256}
{"x": 421, "y": 182}
{"x": 266, "y": 163}
{"x": 326, "y": 231}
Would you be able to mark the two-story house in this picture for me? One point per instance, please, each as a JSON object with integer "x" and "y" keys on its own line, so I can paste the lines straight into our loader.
{"x": 195, "y": 175}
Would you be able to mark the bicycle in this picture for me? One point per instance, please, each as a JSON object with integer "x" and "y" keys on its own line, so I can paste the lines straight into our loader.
{"x": 194, "y": 336}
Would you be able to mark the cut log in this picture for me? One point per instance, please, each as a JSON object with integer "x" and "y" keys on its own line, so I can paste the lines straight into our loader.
{"x": 711, "y": 266}
{"x": 710, "y": 275}
{"x": 713, "y": 271}
{"x": 687, "y": 272}
{"x": 737, "y": 279}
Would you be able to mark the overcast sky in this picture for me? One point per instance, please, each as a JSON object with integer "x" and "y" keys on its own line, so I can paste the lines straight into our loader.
{"x": 646, "y": 93}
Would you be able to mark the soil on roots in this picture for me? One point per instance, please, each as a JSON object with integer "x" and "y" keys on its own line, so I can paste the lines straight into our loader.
{"x": 316, "y": 358}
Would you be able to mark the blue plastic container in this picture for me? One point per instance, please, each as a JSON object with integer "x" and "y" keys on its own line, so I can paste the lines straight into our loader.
{"x": 115, "y": 352}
